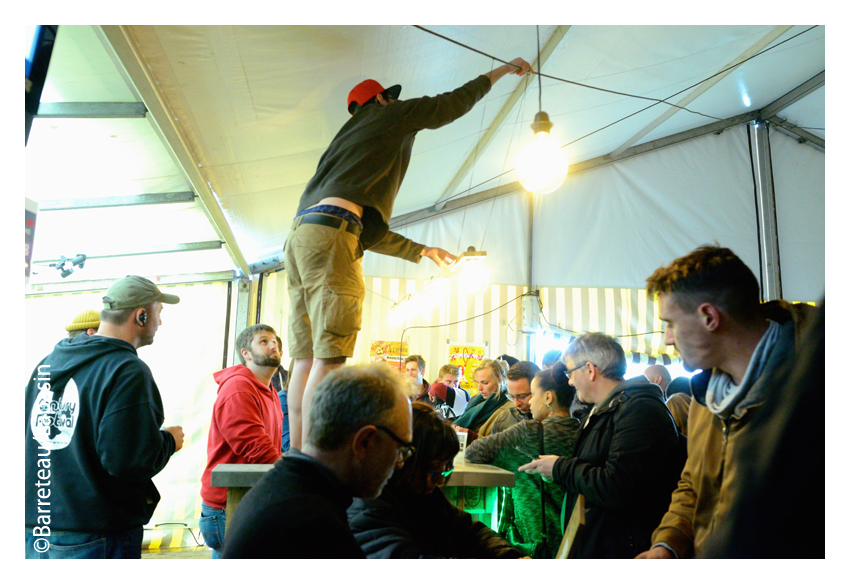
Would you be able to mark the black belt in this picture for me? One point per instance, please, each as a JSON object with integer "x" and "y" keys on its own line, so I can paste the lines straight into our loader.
{"x": 328, "y": 220}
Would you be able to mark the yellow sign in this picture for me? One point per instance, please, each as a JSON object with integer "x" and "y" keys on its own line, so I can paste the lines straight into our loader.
{"x": 392, "y": 353}
{"x": 467, "y": 358}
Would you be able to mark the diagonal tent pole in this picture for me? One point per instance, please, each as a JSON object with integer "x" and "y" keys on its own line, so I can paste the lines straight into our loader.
{"x": 127, "y": 58}
{"x": 553, "y": 42}
{"x": 703, "y": 87}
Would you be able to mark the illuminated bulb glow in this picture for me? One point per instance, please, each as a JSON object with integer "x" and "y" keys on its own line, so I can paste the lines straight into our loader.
{"x": 434, "y": 293}
{"x": 542, "y": 166}
{"x": 471, "y": 275}
{"x": 474, "y": 279}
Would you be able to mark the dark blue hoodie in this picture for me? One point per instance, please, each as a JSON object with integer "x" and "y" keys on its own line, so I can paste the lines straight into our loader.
{"x": 93, "y": 438}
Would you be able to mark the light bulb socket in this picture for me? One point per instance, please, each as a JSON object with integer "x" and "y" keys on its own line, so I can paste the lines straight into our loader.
{"x": 541, "y": 123}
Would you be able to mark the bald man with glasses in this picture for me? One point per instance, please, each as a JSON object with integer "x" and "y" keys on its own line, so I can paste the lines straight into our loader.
{"x": 360, "y": 431}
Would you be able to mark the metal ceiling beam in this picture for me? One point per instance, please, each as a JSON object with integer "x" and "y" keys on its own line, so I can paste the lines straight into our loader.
{"x": 92, "y": 110}
{"x": 794, "y": 95}
{"x": 149, "y": 250}
{"x": 770, "y": 111}
{"x": 453, "y": 205}
{"x": 95, "y": 285}
{"x": 98, "y": 202}
{"x": 799, "y": 133}
{"x": 273, "y": 263}
{"x": 485, "y": 139}
{"x": 126, "y": 55}
{"x": 704, "y": 86}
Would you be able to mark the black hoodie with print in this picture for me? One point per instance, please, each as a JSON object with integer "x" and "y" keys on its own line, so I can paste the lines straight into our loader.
{"x": 92, "y": 438}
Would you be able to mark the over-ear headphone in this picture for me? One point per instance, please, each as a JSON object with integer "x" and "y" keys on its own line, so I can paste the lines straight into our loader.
{"x": 142, "y": 318}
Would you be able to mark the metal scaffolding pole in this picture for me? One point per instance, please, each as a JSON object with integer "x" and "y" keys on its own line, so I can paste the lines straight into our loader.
{"x": 768, "y": 237}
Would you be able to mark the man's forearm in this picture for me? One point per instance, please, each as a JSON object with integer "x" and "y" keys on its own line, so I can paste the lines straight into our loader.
{"x": 517, "y": 67}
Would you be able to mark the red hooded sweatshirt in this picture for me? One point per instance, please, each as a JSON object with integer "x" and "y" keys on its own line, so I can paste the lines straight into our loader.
{"x": 245, "y": 429}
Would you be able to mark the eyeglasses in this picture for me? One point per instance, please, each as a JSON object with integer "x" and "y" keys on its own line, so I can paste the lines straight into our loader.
{"x": 520, "y": 396}
{"x": 407, "y": 448}
{"x": 445, "y": 474}
{"x": 568, "y": 371}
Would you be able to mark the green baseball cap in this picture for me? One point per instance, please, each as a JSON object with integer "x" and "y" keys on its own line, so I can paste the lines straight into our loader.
{"x": 134, "y": 291}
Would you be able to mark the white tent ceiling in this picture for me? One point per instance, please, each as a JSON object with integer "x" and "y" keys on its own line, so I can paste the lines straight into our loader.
{"x": 240, "y": 115}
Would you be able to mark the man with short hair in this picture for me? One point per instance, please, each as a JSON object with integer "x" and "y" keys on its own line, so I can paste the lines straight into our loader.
{"x": 360, "y": 431}
{"x": 87, "y": 322}
{"x": 627, "y": 458}
{"x": 246, "y": 423}
{"x": 519, "y": 391}
{"x": 709, "y": 301}
{"x": 658, "y": 375}
{"x": 446, "y": 394}
{"x": 94, "y": 437}
{"x": 414, "y": 367}
{"x": 345, "y": 210}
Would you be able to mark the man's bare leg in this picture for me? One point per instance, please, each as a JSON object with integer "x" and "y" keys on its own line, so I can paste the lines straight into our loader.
{"x": 320, "y": 369}
{"x": 306, "y": 375}
{"x": 295, "y": 394}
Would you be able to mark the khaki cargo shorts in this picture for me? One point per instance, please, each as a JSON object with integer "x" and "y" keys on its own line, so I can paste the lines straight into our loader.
{"x": 324, "y": 274}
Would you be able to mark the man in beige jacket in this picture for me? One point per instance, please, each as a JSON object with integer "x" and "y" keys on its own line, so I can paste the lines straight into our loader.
{"x": 709, "y": 302}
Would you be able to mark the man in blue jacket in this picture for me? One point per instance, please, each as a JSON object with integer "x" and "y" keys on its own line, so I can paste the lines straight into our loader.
{"x": 344, "y": 210}
{"x": 94, "y": 436}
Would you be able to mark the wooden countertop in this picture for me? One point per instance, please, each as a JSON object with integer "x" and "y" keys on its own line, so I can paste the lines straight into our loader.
{"x": 464, "y": 475}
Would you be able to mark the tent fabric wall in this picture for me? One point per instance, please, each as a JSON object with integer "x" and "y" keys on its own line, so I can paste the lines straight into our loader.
{"x": 489, "y": 318}
{"x": 799, "y": 178}
{"x": 612, "y": 226}
{"x": 630, "y": 315}
{"x": 186, "y": 352}
{"x": 426, "y": 335}
{"x": 498, "y": 226}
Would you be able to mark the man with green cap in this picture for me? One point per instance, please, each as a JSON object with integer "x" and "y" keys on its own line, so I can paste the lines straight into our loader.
{"x": 94, "y": 436}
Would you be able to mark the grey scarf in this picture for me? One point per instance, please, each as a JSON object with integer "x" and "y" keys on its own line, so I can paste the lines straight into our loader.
{"x": 723, "y": 396}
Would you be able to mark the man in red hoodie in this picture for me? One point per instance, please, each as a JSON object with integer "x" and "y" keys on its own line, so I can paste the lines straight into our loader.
{"x": 246, "y": 423}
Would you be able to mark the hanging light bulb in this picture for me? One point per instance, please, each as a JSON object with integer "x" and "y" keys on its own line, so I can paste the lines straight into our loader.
{"x": 542, "y": 166}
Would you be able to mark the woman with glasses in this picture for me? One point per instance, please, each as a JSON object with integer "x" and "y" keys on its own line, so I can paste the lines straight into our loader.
{"x": 412, "y": 518}
{"x": 551, "y": 398}
{"x": 492, "y": 380}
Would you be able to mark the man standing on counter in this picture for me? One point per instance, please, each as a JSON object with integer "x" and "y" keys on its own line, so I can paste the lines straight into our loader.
{"x": 344, "y": 211}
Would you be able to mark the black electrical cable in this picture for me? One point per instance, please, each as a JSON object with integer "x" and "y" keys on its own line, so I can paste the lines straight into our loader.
{"x": 543, "y": 316}
{"x": 609, "y": 91}
{"x": 460, "y": 321}
{"x": 655, "y": 99}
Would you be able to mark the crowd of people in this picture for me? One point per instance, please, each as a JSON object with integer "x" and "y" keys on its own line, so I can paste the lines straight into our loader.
{"x": 666, "y": 468}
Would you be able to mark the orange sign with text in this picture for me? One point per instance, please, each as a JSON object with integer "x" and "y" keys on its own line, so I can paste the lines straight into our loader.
{"x": 392, "y": 353}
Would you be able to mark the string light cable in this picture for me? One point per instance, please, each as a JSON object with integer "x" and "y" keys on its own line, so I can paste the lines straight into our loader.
{"x": 553, "y": 326}
{"x": 656, "y": 100}
{"x": 459, "y": 321}
{"x": 625, "y": 94}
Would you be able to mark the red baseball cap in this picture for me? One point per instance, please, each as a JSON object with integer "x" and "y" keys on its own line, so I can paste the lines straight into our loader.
{"x": 366, "y": 90}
